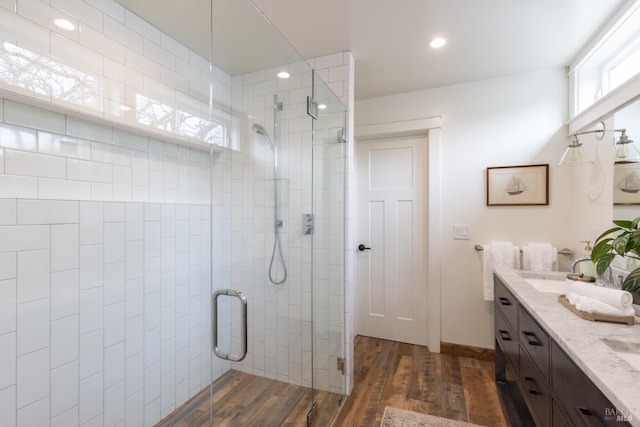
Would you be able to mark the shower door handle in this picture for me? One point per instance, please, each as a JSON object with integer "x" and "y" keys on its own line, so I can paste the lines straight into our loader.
{"x": 214, "y": 324}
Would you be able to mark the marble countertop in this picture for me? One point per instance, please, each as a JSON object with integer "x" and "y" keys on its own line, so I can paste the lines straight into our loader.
{"x": 582, "y": 341}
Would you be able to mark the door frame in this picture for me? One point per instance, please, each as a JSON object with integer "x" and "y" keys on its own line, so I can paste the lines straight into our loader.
{"x": 431, "y": 128}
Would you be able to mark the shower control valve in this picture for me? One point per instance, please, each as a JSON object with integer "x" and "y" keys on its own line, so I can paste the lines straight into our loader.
{"x": 307, "y": 224}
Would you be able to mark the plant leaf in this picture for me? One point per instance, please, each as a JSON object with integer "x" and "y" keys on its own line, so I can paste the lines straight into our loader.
{"x": 619, "y": 244}
{"x": 627, "y": 225}
{"x": 600, "y": 249}
{"x": 635, "y": 222}
{"x": 632, "y": 281}
{"x": 633, "y": 243}
{"x": 603, "y": 263}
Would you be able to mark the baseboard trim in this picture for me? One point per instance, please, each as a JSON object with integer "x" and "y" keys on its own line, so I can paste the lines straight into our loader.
{"x": 468, "y": 351}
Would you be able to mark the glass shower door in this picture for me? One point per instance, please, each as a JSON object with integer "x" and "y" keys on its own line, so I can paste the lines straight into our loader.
{"x": 280, "y": 169}
{"x": 328, "y": 271}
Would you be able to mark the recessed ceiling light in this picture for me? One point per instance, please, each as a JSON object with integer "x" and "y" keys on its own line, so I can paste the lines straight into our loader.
{"x": 284, "y": 75}
{"x": 65, "y": 24}
{"x": 438, "y": 42}
{"x": 322, "y": 107}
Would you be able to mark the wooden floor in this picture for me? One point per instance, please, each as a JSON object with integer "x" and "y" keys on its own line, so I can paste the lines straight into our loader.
{"x": 410, "y": 377}
{"x": 386, "y": 373}
{"x": 241, "y": 399}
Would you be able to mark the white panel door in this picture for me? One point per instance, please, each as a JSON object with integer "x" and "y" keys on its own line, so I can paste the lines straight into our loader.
{"x": 392, "y": 285}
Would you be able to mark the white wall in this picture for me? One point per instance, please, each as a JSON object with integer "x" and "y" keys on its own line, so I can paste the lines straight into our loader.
{"x": 512, "y": 120}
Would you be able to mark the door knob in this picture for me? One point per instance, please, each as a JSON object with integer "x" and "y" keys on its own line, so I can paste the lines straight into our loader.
{"x": 363, "y": 248}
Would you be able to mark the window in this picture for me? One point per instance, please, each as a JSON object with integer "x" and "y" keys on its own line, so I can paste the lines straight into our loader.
{"x": 612, "y": 60}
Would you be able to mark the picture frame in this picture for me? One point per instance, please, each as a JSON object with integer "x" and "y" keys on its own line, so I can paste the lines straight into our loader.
{"x": 525, "y": 185}
{"x": 626, "y": 183}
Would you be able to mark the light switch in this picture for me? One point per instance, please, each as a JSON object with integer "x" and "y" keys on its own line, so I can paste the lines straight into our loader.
{"x": 461, "y": 231}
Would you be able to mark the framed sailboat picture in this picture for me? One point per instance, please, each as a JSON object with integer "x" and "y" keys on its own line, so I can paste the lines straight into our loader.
{"x": 626, "y": 184}
{"x": 518, "y": 185}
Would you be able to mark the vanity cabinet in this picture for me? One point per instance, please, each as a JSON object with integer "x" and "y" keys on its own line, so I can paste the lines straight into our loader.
{"x": 583, "y": 402}
{"x": 534, "y": 341}
{"x": 535, "y": 390}
{"x": 537, "y": 381}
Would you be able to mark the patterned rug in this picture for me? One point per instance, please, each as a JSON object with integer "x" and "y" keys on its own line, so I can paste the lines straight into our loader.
{"x": 396, "y": 417}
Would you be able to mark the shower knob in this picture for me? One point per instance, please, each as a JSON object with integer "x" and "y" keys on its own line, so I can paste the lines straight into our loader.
{"x": 362, "y": 248}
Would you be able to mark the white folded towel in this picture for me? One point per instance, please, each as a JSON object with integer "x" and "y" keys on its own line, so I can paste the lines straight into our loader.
{"x": 501, "y": 255}
{"x": 598, "y": 299}
{"x": 539, "y": 257}
{"x": 590, "y": 305}
{"x": 614, "y": 297}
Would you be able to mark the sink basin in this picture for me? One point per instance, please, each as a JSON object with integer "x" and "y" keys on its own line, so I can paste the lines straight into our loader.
{"x": 548, "y": 285}
{"x": 622, "y": 346}
{"x": 629, "y": 351}
{"x": 552, "y": 282}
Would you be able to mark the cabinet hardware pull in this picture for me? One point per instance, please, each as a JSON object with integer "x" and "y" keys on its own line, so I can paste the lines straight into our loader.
{"x": 505, "y": 335}
{"x": 532, "y": 339}
{"x": 535, "y": 392}
{"x": 589, "y": 413}
{"x": 504, "y": 301}
{"x": 584, "y": 411}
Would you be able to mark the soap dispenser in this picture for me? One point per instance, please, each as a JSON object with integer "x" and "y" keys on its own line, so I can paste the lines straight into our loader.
{"x": 587, "y": 268}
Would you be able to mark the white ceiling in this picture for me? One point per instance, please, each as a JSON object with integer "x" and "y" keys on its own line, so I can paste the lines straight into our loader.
{"x": 388, "y": 39}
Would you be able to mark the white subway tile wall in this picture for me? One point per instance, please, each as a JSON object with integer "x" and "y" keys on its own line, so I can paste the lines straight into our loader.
{"x": 89, "y": 306}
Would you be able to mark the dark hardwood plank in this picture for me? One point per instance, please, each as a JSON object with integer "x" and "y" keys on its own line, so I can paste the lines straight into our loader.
{"x": 450, "y": 369}
{"x": 453, "y": 402}
{"x": 445, "y": 385}
{"x": 467, "y": 351}
{"x": 386, "y": 373}
{"x": 433, "y": 380}
{"x": 418, "y": 390}
{"x": 241, "y": 399}
{"x": 481, "y": 396}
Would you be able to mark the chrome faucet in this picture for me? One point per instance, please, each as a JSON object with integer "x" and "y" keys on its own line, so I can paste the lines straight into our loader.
{"x": 606, "y": 282}
{"x": 578, "y": 261}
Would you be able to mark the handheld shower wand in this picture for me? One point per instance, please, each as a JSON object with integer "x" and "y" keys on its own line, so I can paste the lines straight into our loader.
{"x": 277, "y": 221}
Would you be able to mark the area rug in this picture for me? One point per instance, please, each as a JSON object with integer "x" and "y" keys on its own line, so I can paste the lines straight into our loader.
{"x": 396, "y": 417}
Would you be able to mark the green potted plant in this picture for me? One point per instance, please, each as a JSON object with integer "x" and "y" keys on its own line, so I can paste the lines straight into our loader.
{"x": 622, "y": 240}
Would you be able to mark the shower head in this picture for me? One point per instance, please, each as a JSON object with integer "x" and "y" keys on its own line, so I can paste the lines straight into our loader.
{"x": 260, "y": 130}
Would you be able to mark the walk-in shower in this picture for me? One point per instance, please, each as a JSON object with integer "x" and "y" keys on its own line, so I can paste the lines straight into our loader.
{"x": 144, "y": 243}
{"x": 277, "y": 219}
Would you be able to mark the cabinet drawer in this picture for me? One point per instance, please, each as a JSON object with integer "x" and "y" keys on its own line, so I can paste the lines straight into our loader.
{"x": 535, "y": 391}
{"x": 558, "y": 419}
{"x": 584, "y": 404}
{"x": 506, "y": 338}
{"x": 506, "y": 303}
{"x": 535, "y": 341}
